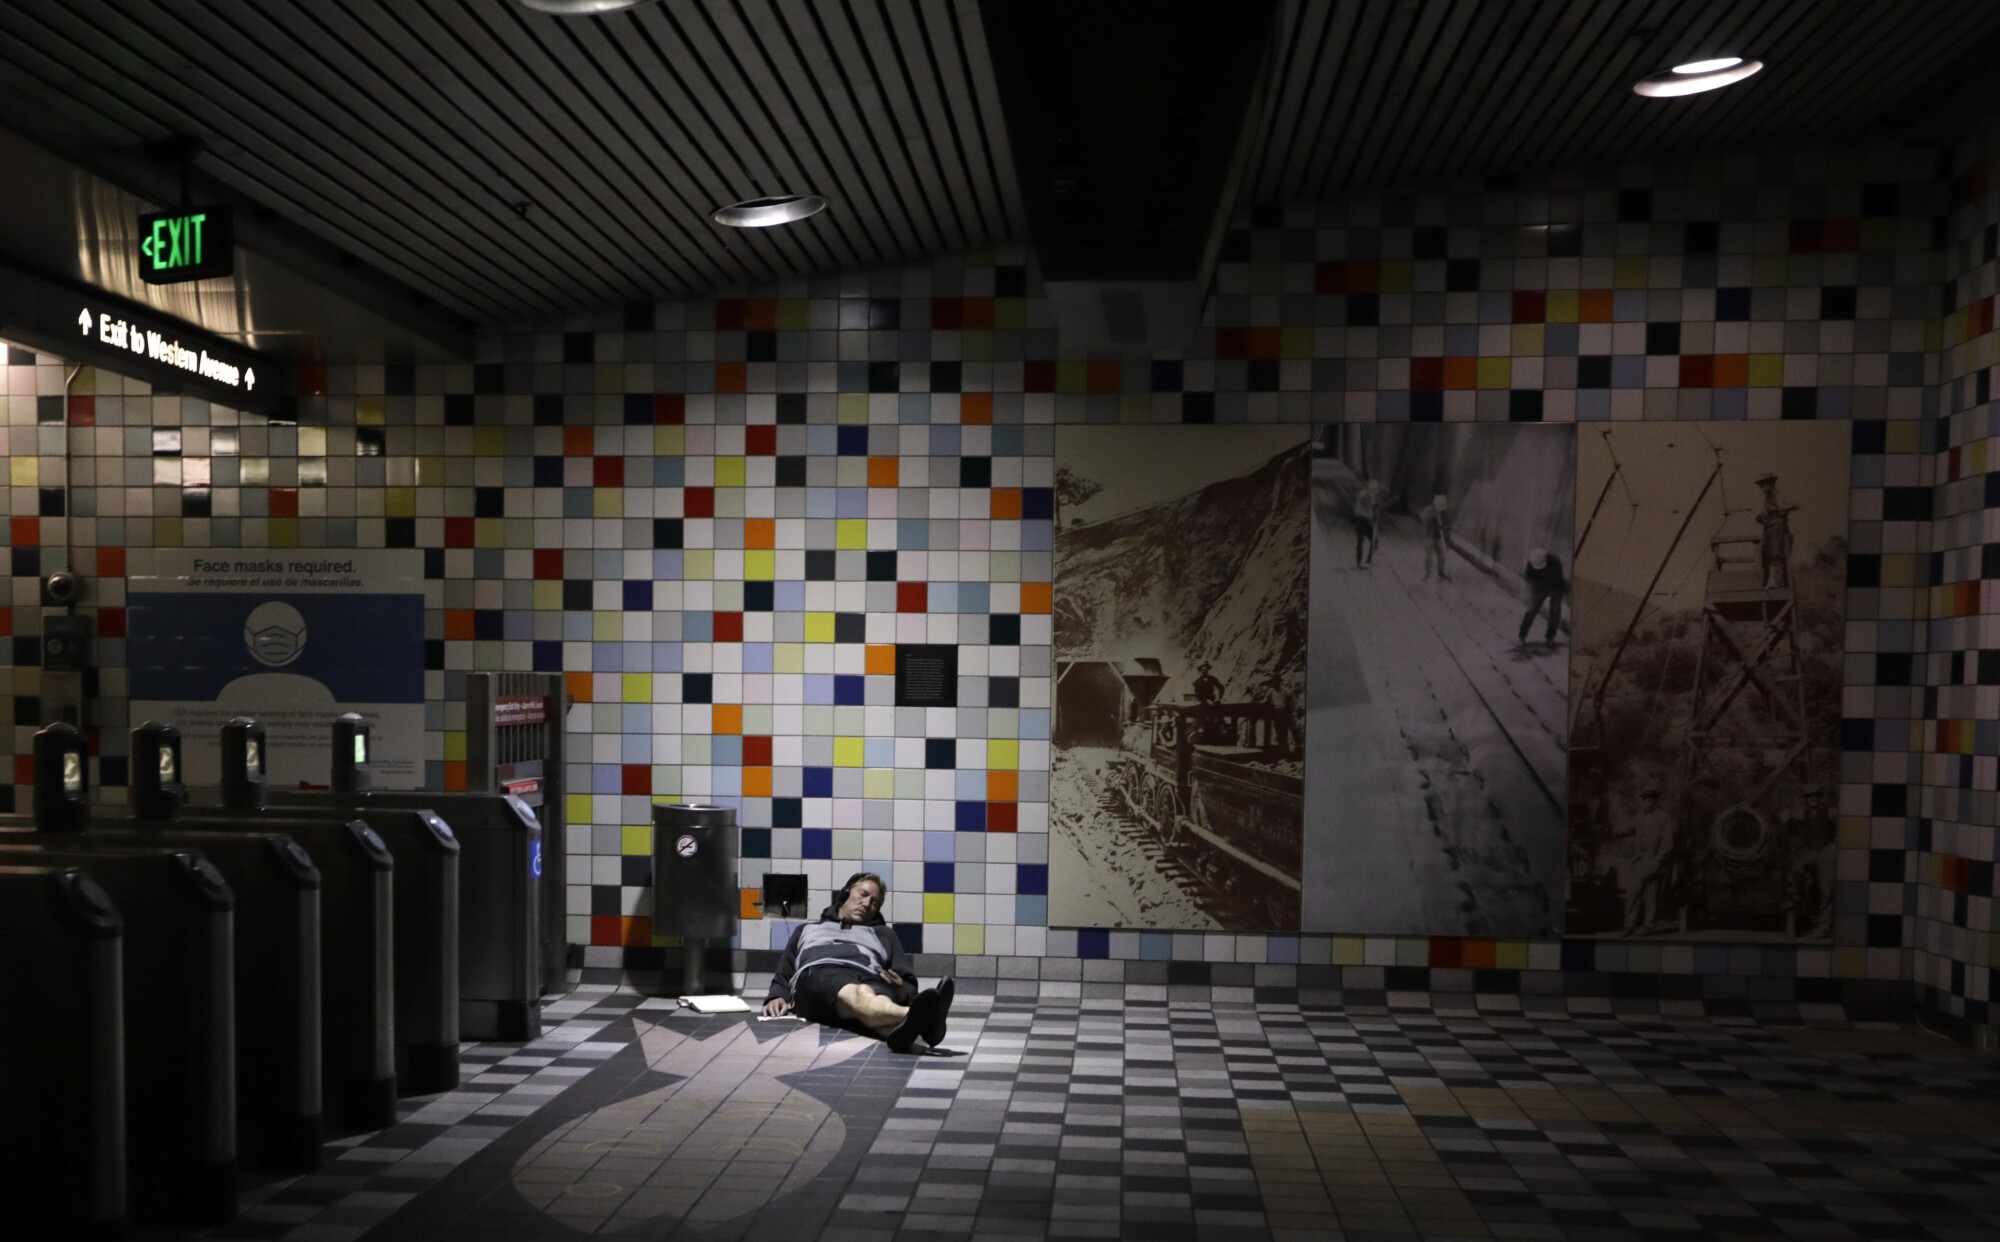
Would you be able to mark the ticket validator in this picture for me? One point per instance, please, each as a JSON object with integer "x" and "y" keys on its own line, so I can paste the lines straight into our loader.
{"x": 62, "y": 779}
{"x": 353, "y": 750}
{"x": 243, "y": 776}
{"x": 157, "y": 790}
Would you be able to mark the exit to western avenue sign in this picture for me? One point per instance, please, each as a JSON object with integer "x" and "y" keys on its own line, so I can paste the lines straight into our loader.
{"x": 194, "y": 243}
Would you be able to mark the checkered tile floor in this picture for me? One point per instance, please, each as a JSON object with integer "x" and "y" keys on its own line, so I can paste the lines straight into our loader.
{"x": 1061, "y": 1119}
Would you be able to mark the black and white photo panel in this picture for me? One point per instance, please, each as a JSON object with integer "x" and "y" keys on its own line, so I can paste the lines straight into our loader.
{"x": 1706, "y": 683}
{"x": 1176, "y": 784}
{"x": 1438, "y": 679}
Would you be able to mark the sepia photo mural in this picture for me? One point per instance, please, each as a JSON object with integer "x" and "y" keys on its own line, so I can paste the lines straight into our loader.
{"x": 1438, "y": 682}
{"x": 1180, "y": 651}
{"x": 1705, "y": 685}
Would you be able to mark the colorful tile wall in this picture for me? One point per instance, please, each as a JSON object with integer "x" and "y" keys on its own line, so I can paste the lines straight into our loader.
{"x": 1951, "y": 864}
{"x": 717, "y": 515}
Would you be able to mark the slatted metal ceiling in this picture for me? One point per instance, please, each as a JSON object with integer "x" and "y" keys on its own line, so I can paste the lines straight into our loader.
{"x": 409, "y": 131}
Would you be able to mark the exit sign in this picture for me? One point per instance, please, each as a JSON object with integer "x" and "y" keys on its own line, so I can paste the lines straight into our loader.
{"x": 194, "y": 243}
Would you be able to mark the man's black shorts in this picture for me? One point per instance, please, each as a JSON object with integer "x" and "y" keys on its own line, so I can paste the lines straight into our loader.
{"x": 814, "y": 993}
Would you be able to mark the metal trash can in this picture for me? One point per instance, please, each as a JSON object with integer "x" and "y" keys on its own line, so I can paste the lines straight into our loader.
{"x": 695, "y": 893}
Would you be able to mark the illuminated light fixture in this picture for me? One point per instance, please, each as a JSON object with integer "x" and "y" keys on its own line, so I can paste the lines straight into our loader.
{"x": 763, "y": 213}
{"x": 1696, "y": 76}
{"x": 581, "y": 8}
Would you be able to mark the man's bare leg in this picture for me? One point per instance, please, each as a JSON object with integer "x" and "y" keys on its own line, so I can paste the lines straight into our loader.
{"x": 858, "y": 1002}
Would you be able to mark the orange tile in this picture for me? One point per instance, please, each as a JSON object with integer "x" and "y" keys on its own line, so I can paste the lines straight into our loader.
{"x": 577, "y": 441}
{"x": 111, "y": 562}
{"x": 1461, "y": 373}
{"x": 882, "y": 471}
{"x": 1732, "y": 370}
{"x": 976, "y": 408}
{"x": 454, "y": 776}
{"x": 1003, "y": 786}
{"x": 732, "y": 377}
{"x": 728, "y": 718}
{"x": 458, "y": 623}
{"x": 1036, "y": 597}
{"x": 760, "y": 532}
{"x": 578, "y": 685}
{"x": 1102, "y": 377}
{"x": 760, "y": 314}
{"x": 1006, "y": 502}
{"x": 881, "y": 661}
{"x": 751, "y": 903}
{"x": 756, "y": 782}
{"x": 1593, "y": 306}
{"x": 1478, "y": 955}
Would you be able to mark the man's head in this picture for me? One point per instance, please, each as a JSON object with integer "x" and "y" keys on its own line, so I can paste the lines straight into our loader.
{"x": 1769, "y": 482}
{"x": 1539, "y": 558}
{"x": 1438, "y": 502}
{"x": 861, "y": 899}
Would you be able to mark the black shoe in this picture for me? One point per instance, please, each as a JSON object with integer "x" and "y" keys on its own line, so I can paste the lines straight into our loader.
{"x": 935, "y": 1032}
{"x": 923, "y": 1011}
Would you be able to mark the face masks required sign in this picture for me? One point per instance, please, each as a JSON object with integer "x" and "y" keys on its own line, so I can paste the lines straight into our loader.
{"x": 292, "y": 637}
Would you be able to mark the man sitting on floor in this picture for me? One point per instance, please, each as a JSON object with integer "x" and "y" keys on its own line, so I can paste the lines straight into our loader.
{"x": 849, "y": 970}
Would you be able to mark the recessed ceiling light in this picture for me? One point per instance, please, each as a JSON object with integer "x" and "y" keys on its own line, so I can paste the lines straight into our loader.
{"x": 1696, "y": 76}
{"x": 762, "y": 213}
{"x": 580, "y": 8}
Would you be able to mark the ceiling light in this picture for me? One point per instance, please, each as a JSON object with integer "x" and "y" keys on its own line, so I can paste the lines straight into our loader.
{"x": 580, "y": 8}
{"x": 762, "y": 213}
{"x": 1696, "y": 76}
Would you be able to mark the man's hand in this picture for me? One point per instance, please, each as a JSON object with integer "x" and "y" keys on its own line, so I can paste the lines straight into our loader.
{"x": 777, "y": 1007}
{"x": 892, "y": 977}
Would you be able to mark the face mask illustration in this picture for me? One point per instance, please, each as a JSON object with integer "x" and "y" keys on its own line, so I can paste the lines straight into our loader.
{"x": 275, "y": 634}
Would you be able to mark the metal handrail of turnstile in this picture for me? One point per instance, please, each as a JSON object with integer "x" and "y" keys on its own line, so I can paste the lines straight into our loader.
{"x": 279, "y": 1103}
{"x": 62, "y": 1108}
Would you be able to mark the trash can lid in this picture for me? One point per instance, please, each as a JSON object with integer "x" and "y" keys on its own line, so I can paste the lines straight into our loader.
{"x": 693, "y": 815}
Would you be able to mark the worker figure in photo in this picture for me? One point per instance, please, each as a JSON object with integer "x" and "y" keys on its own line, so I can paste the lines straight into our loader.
{"x": 1642, "y": 861}
{"x": 1437, "y": 529}
{"x": 849, "y": 970}
{"x": 1775, "y": 554}
{"x": 1546, "y": 584}
{"x": 1367, "y": 512}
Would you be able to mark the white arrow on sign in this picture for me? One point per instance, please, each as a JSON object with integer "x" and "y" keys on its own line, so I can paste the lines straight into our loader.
{"x": 250, "y": 379}
{"x": 83, "y": 320}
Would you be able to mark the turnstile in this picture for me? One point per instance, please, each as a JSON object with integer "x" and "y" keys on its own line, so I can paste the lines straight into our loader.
{"x": 279, "y": 1110}
{"x": 180, "y": 1045}
{"x": 500, "y": 979}
{"x": 62, "y": 1099}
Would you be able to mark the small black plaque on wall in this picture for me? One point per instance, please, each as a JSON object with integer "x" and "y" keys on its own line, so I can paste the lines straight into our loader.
{"x": 926, "y": 675}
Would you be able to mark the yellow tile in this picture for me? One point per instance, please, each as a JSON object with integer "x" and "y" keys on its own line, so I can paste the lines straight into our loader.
{"x": 1770, "y": 271}
{"x": 1529, "y": 340}
{"x": 1905, "y": 435}
{"x": 848, "y": 752}
{"x": 1562, "y": 306}
{"x": 576, "y": 808}
{"x": 635, "y": 840}
{"x": 794, "y": 314}
{"x": 25, "y": 471}
{"x": 1630, "y": 272}
{"x": 489, "y": 532}
{"x": 669, "y": 441}
{"x": 1295, "y": 343}
{"x": 698, "y": 564}
{"x": 400, "y": 502}
{"x": 368, "y": 411}
{"x": 1072, "y": 376}
{"x": 879, "y": 783}
{"x": 1348, "y": 950}
{"x": 454, "y": 745}
{"x": 607, "y": 627}
{"x": 1767, "y": 370}
{"x": 1496, "y": 372}
{"x": 1003, "y": 754}
{"x": 791, "y": 657}
{"x": 489, "y": 441}
{"x": 937, "y": 908}
{"x": 850, "y": 534}
{"x": 1899, "y": 570}
{"x": 548, "y": 594}
{"x": 284, "y": 532}
{"x": 968, "y": 938}
{"x": 1511, "y": 955}
{"x": 819, "y": 627}
{"x": 430, "y": 471}
{"x": 607, "y": 502}
{"x": 852, "y": 408}
{"x": 1010, "y": 314}
{"x": 1396, "y": 276}
{"x": 729, "y": 472}
{"x": 638, "y": 688}
{"x": 760, "y": 565}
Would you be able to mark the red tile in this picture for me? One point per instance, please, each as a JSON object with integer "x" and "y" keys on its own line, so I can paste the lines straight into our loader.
{"x": 669, "y": 409}
{"x": 83, "y": 411}
{"x": 760, "y": 440}
{"x": 549, "y": 564}
{"x": 1038, "y": 376}
{"x": 285, "y": 502}
{"x": 607, "y": 472}
{"x": 947, "y": 314}
{"x": 1232, "y": 344}
{"x": 1426, "y": 373}
{"x": 24, "y": 532}
{"x": 729, "y": 314}
{"x": 111, "y": 623}
{"x": 756, "y": 752}
{"x": 1530, "y": 306}
{"x": 698, "y": 502}
{"x": 912, "y": 597}
{"x": 111, "y": 562}
{"x": 458, "y": 532}
{"x": 1697, "y": 370}
{"x": 1447, "y": 951}
{"x": 729, "y": 627}
{"x": 635, "y": 778}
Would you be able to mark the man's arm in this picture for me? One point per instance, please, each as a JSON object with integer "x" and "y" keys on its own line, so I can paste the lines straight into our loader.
{"x": 899, "y": 961}
{"x": 788, "y": 965}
